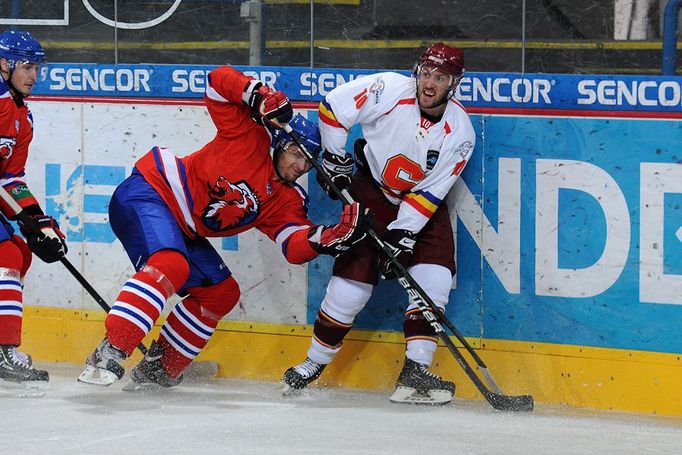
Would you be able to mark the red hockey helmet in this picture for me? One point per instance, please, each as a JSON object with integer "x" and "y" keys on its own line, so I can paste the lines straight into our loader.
{"x": 449, "y": 60}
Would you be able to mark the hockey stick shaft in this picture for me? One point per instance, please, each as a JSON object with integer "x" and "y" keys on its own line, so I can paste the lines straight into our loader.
{"x": 431, "y": 312}
{"x": 31, "y": 225}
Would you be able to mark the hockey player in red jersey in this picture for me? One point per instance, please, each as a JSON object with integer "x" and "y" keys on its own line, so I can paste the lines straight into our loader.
{"x": 164, "y": 211}
{"x": 417, "y": 140}
{"x": 20, "y": 56}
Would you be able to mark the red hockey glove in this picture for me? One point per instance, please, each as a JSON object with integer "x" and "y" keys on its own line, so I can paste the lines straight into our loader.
{"x": 401, "y": 242}
{"x": 50, "y": 244}
{"x": 339, "y": 168}
{"x": 337, "y": 239}
{"x": 272, "y": 106}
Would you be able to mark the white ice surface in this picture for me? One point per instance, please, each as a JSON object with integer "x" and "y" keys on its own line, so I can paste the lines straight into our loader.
{"x": 248, "y": 417}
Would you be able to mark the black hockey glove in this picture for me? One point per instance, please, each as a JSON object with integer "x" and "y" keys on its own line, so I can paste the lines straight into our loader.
{"x": 401, "y": 242}
{"x": 337, "y": 239}
{"x": 272, "y": 106}
{"x": 50, "y": 244}
{"x": 339, "y": 168}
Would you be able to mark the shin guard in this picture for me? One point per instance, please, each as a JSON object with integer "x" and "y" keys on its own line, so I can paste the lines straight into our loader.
{"x": 142, "y": 300}
{"x": 11, "y": 293}
{"x": 11, "y": 307}
{"x": 192, "y": 322}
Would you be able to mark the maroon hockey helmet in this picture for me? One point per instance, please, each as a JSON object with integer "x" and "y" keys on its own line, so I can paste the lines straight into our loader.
{"x": 449, "y": 60}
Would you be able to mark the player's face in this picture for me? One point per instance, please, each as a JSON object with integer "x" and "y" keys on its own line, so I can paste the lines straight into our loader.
{"x": 24, "y": 76}
{"x": 292, "y": 163}
{"x": 432, "y": 89}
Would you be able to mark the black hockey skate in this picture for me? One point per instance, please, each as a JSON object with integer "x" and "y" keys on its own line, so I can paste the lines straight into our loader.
{"x": 150, "y": 374}
{"x": 103, "y": 367}
{"x": 15, "y": 366}
{"x": 302, "y": 374}
{"x": 417, "y": 385}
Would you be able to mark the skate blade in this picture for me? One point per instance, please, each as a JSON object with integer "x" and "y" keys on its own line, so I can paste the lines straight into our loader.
{"x": 26, "y": 389}
{"x": 97, "y": 376}
{"x": 408, "y": 395}
{"x": 145, "y": 387}
{"x": 200, "y": 370}
{"x": 290, "y": 392}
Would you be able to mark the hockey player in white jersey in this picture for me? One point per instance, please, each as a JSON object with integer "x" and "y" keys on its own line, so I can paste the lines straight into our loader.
{"x": 417, "y": 140}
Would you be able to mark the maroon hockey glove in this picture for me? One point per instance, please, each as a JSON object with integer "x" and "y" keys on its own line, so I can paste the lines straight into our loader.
{"x": 401, "y": 242}
{"x": 50, "y": 244}
{"x": 340, "y": 170}
{"x": 270, "y": 105}
{"x": 337, "y": 239}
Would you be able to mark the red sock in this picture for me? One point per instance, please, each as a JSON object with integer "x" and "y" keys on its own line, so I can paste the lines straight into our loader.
{"x": 135, "y": 311}
{"x": 11, "y": 293}
{"x": 184, "y": 335}
{"x": 192, "y": 322}
{"x": 143, "y": 297}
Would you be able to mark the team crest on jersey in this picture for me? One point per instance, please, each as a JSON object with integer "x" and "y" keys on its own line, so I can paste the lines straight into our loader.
{"x": 6, "y": 147}
{"x": 231, "y": 205}
{"x": 465, "y": 149}
{"x": 431, "y": 159}
{"x": 377, "y": 89}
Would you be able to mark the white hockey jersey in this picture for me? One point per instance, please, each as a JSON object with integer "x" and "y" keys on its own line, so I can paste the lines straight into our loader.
{"x": 413, "y": 160}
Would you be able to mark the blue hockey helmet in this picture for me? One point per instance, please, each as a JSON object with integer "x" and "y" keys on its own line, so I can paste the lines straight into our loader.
{"x": 16, "y": 46}
{"x": 307, "y": 132}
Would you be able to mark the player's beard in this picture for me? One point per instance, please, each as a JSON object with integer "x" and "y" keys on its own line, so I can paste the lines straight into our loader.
{"x": 434, "y": 102}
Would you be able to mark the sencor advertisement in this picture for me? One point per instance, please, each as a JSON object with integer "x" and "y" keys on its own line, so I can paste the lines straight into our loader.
{"x": 492, "y": 90}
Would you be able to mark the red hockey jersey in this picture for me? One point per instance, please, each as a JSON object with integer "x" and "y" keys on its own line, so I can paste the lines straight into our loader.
{"x": 16, "y": 133}
{"x": 230, "y": 185}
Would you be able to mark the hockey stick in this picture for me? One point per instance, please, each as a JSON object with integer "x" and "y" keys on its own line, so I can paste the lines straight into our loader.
{"x": 431, "y": 312}
{"x": 30, "y": 224}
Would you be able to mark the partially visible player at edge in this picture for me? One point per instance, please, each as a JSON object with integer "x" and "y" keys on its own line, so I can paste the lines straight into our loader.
{"x": 418, "y": 139}
{"x": 20, "y": 57}
{"x": 164, "y": 211}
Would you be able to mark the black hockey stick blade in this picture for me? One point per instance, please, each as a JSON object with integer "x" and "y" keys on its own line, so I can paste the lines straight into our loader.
{"x": 519, "y": 403}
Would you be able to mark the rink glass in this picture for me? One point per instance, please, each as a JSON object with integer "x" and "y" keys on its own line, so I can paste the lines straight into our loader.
{"x": 557, "y": 36}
